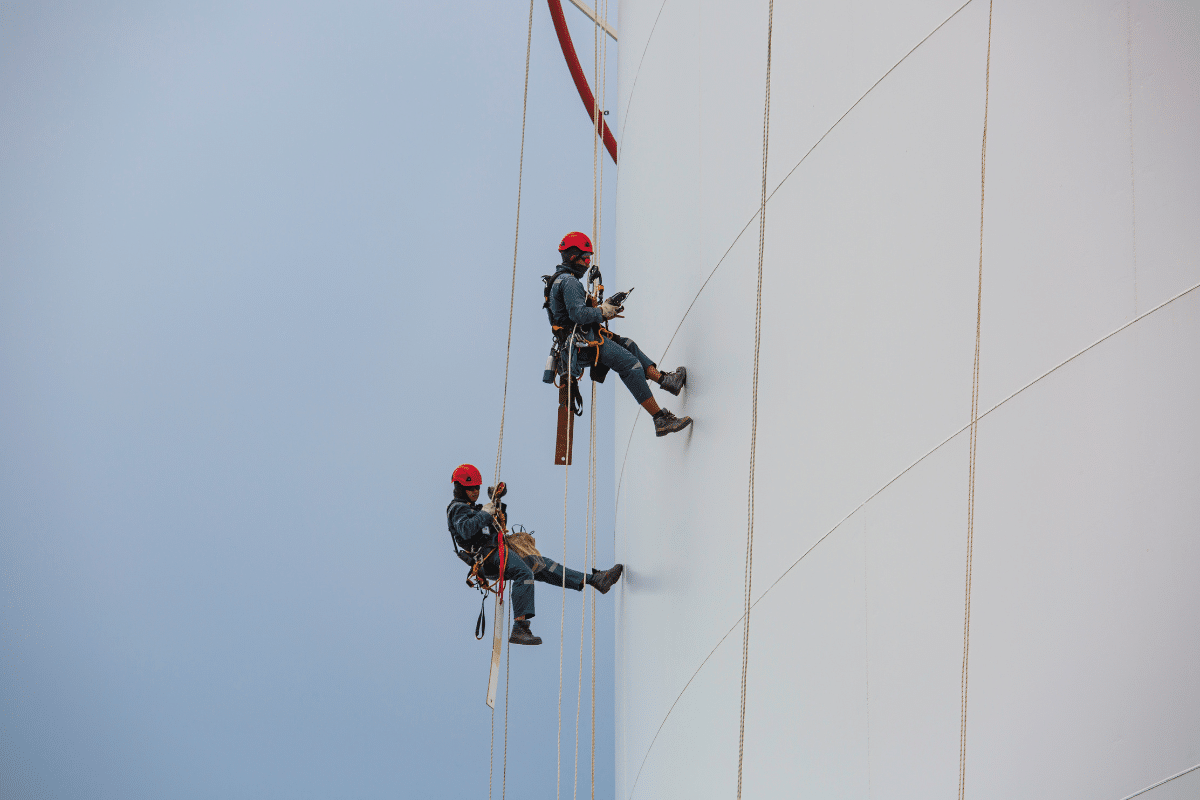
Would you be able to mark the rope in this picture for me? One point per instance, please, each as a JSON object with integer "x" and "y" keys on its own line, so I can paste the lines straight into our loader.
{"x": 504, "y": 400}
{"x": 1160, "y": 783}
{"x": 762, "y": 236}
{"x": 562, "y": 621}
{"x": 583, "y": 608}
{"x": 599, "y": 216}
{"x": 492, "y": 748}
{"x": 593, "y": 639}
{"x": 962, "y": 733}
{"x": 590, "y": 561}
{"x": 590, "y": 506}
{"x": 507, "y": 666}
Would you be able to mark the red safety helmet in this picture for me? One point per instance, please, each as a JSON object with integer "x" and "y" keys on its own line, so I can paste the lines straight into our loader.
{"x": 576, "y": 239}
{"x": 466, "y": 475}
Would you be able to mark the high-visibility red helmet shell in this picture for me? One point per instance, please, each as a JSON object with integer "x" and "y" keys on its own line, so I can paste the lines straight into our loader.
{"x": 576, "y": 239}
{"x": 466, "y": 475}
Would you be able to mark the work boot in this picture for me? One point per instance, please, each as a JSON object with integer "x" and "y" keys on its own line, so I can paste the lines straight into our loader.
{"x": 521, "y": 633}
{"x": 603, "y": 581}
{"x": 673, "y": 382}
{"x": 665, "y": 422}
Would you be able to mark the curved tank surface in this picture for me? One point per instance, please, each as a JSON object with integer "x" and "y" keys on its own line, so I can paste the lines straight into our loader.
{"x": 1073, "y": 259}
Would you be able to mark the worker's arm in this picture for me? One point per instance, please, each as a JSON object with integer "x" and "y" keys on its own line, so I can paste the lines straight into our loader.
{"x": 471, "y": 527}
{"x": 575, "y": 299}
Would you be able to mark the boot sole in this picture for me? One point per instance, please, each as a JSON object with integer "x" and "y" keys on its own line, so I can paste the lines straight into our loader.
{"x": 524, "y": 641}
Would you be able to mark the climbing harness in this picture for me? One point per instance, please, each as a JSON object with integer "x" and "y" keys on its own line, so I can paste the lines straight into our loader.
{"x": 475, "y": 558}
{"x": 570, "y": 352}
{"x": 556, "y": 365}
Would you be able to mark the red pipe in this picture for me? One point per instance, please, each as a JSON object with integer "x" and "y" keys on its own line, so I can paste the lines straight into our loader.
{"x": 585, "y": 93}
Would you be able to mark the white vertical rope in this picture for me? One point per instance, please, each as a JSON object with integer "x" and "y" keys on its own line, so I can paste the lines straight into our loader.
{"x": 962, "y": 732}
{"x": 762, "y": 234}
{"x": 492, "y": 744}
{"x": 583, "y": 608}
{"x": 589, "y": 508}
{"x": 562, "y": 620}
{"x": 593, "y": 669}
{"x": 590, "y": 561}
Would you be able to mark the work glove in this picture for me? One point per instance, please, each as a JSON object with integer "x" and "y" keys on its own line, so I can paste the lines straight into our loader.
{"x": 609, "y": 310}
{"x": 490, "y": 508}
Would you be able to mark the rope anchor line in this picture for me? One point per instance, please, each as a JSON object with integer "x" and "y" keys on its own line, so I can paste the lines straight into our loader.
{"x": 497, "y": 618}
{"x": 600, "y": 57}
{"x": 962, "y": 732}
{"x": 762, "y": 237}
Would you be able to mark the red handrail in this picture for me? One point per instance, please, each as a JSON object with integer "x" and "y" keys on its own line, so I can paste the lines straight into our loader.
{"x": 585, "y": 92}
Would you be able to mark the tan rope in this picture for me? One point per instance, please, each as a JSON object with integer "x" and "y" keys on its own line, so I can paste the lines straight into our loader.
{"x": 599, "y": 219}
{"x": 516, "y": 241}
{"x": 589, "y": 519}
{"x": 962, "y": 734}
{"x": 504, "y": 400}
{"x": 762, "y": 237}
{"x": 591, "y": 499}
{"x": 562, "y": 621}
{"x": 593, "y": 637}
{"x": 492, "y": 746}
{"x": 590, "y": 561}
{"x": 507, "y": 667}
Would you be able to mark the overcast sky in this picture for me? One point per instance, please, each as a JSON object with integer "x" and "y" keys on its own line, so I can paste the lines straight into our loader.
{"x": 255, "y": 263}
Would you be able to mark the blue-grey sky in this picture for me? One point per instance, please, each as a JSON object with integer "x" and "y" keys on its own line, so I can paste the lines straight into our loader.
{"x": 254, "y": 286}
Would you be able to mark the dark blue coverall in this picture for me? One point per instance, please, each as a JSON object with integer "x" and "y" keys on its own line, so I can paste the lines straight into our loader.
{"x": 471, "y": 528}
{"x": 569, "y": 309}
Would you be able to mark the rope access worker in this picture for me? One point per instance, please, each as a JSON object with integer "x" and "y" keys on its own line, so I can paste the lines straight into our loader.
{"x": 473, "y": 529}
{"x": 572, "y": 316}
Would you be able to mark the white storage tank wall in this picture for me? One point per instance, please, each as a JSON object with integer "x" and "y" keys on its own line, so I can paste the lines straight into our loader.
{"x": 1084, "y": 660}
